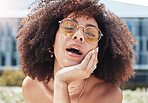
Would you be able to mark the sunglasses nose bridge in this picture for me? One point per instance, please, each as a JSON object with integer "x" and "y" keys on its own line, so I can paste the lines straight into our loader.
{"x": 81, "y": 26}
{"x": 79, "y": 34}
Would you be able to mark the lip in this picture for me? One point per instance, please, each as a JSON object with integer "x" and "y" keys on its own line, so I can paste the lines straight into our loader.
{"x": 73, "y": 54}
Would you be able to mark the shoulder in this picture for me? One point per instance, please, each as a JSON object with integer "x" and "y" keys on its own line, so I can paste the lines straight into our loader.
{"x": 31, "y": 89}
{"x": 29, "y": 83}
{"x": 103, "y": 92}
{"x": 115, "y": 95}
{"x": 109, "y": 93}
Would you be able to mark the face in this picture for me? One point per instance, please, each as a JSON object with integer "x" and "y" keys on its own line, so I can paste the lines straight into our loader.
{"x": 71, "y": 49}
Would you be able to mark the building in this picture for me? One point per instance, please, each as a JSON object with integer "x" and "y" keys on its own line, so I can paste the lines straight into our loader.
{"x": 135, "y": 16}
{"x": 8, "y": 43}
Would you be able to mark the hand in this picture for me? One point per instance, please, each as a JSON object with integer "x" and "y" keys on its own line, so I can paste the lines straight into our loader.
{"x": 80, "y": 71}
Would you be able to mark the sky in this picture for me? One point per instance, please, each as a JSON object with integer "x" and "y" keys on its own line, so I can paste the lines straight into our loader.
{"x": 14, "y": 4}
{"x": 19, "y": 8}
{"x": 10, "y": 7}
{"x": 137, "y": 2}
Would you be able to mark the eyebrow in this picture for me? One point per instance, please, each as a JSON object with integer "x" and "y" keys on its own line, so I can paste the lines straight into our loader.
{"x": 86, "y": 24}
{"x": 74, "y": 20}
{"x": 91, "y": 25}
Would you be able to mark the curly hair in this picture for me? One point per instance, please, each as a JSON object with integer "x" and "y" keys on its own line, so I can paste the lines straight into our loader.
{"x": 38, "y": 31}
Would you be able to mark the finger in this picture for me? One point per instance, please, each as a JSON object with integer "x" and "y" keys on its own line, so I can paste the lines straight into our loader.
{"x": 92, "y": 68}
{"x": 88, "y": 56}
{"x": 86, "y": 59}
{"x": 91, "y": 62}
{"x": 97, "y": 50}
{"x": 95, "y": 63}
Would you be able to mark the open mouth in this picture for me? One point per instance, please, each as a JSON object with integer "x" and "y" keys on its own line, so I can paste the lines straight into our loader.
{"x": 74, "y": 50}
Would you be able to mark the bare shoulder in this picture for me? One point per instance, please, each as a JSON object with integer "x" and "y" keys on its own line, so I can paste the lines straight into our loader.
{"x": 32, "y": 89}
{"x": 103, "y": 92}
{"x": 28, "y": 86}
{"x": 29, "y": 83}
{"x": 114, "y": 94}
{"x": 109, "y": 93}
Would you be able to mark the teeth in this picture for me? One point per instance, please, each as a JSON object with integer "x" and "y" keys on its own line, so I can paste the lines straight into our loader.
{"x": 75, "y": 48}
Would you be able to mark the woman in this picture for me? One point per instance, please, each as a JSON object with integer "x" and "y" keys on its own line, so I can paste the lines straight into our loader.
{"x": 74, "y": 52}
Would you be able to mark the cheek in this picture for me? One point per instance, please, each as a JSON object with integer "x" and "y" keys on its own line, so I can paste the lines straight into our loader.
{"x": 58, "y": 42}
{"x": 59, "y": 39}
{"x": 92, "y": 46}
{"x": 59, "y": 45}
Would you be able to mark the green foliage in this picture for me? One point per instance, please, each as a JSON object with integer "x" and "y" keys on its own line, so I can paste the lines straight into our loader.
{"x": 134, "y": 86}
{"x": 11, "y": 77}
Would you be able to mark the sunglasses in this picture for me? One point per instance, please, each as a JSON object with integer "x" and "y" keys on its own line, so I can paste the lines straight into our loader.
{"x": 91, "y": 33}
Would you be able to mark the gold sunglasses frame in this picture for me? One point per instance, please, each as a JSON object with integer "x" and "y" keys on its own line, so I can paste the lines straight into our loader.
{"x": 83, "y": 31}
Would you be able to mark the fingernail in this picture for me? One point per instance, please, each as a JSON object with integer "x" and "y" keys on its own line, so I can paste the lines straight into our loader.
{"x": 95, "y": 67}
{"x": 97, "y": 49}
{"x": 93, "y": 51}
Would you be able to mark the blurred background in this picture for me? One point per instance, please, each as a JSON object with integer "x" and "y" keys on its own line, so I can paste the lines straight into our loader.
{"x": 133, "y": 12}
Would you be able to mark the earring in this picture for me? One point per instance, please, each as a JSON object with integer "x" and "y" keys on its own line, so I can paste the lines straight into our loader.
{"x": 51, "y": 51}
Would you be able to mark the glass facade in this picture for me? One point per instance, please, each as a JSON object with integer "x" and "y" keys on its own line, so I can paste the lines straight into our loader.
{"x": 8, "y": 51}
{"x": 139, "y": 28}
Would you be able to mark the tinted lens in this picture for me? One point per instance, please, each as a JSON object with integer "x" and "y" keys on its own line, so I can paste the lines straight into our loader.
{"x": 92, "y": 34}
{"x": 68, "y": 27}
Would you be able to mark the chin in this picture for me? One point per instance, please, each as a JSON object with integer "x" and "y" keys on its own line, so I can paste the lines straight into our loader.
{"x": 71, "y": 63}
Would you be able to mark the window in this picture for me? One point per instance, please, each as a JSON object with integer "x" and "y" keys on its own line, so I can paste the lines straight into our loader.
{"x": 9, "y": 30}
{"x": 2, "y": 32}
{"x": 133, "y": 25}
{"x": 3, "y": 60}
{"x": 14, "y": 45}
{"x": 144, "y": 59}
{"x": 141, "y": 45}
{"x": 147, "y": 45}
{"x": 140, "y": 76}
{"x": 140, "y": 59}
{"x": 13, "y": 61}
{"x": 144, "y": 23}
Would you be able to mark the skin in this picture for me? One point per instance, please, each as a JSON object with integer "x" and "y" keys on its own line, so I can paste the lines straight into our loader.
{"x": 70, "y": 72}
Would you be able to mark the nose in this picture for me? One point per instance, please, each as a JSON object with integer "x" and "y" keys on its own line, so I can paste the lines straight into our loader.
{"x": 78, "y": 35}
